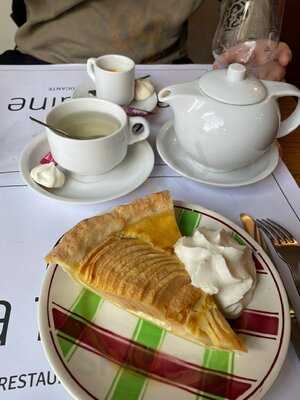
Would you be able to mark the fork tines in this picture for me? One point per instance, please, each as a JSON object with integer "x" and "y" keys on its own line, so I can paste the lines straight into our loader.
{"x": 276, "y": 232}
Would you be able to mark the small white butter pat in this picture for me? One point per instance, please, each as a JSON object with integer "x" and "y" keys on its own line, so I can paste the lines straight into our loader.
{"x": 143, "y": 89}
{"x": 48, "y": 175}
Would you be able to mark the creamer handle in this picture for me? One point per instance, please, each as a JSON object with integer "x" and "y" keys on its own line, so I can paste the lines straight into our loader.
{"x": 281, "y": 89}
{"x": 90, "y": 67}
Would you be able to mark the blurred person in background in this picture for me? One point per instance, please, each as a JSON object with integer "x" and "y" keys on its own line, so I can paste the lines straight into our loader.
{"x": 148, "y": 31}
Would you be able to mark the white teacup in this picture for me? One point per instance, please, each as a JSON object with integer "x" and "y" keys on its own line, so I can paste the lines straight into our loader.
{"x": 113, "y": 76}
{"x": 89, "y": 158}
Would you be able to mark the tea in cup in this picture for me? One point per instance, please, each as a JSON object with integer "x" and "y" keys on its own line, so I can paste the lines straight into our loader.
{"x": 100, "y": 133}
{"x": 113, "y": 76}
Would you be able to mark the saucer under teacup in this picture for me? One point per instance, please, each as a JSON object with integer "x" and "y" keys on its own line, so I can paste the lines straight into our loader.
{"x": 123, "y": 179}
{"x": 88, "y": 86}
{"x": 178, "y": 160}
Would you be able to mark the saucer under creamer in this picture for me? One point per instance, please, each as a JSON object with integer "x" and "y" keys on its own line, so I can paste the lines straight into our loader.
{"x": 175, "y": 157}
{"x": 121, "y": 180}
{"x": 86, "y": 88}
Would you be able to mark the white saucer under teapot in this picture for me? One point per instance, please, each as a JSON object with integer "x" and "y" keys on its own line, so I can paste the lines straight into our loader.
{"x": 227, "y": 120}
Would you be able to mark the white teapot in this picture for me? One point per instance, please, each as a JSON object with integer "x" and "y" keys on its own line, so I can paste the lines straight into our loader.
{"x": 226, "y": 120}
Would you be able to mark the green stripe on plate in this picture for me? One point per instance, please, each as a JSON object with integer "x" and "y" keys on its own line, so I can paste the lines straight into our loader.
{"x": 238, "y": 239}
{"x": 213, "y": 359}
{"x": 188, "y": 222}
{"x": 131, "y": 385}
{"x": 86, "y": 306}
{"x": 128, "y": 384}
{"x": 217, "y": 359}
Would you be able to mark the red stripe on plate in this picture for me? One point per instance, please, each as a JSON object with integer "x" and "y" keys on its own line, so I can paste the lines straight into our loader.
{"x": 258, "y": 265}
{"x": 160, "y": 366}
{"x": 256, "y": 323}
{"x": 260, "y": 311}
{"x": 255, "y": 335}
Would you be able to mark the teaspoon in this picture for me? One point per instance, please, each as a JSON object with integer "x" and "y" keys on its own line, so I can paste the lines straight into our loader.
{"x": 57, "y": 130}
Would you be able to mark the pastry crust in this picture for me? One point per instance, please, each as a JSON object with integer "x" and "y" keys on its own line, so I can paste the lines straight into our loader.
{"x": 148, "y": 206}
{"x": 125, "y": 256}
{"x": 78, "y": 242}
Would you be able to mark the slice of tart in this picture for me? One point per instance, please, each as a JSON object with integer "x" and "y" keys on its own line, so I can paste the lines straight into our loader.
{"x": 126, "y": 256}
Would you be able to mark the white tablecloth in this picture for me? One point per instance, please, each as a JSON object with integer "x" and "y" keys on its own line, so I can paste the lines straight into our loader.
{"x": 31, "y": 224}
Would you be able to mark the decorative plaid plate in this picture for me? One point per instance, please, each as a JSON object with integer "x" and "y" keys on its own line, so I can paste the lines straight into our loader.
{"x": 99, "y": 351}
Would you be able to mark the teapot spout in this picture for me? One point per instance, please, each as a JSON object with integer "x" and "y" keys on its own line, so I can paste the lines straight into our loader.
{"x": 168, "y": 94}
{"x": 179, "y": 94}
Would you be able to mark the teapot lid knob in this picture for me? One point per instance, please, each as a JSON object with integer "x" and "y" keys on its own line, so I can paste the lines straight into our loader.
{"x": 236, "y": 72}
{"x": 233, "y": 86}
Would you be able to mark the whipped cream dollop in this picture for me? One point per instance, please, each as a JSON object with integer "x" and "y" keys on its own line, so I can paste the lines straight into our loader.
{"x": 219, "y": 266}
{"x": 48, "y": 175}
{"x": 143, "y": 89}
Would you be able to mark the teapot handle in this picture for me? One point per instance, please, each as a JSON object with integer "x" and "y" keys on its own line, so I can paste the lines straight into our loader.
{"x": 280, "y": 89}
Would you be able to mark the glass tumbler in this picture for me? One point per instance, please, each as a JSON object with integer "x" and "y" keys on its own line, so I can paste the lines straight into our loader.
{"x": 248, "y": 32}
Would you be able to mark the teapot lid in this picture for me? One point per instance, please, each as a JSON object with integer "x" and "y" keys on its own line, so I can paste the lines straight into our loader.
{"x": 233, "y": 86}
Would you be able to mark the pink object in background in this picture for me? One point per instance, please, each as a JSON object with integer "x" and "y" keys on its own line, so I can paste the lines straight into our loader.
{"x": 47, "y": 159}
{"x": 132, "y": 112}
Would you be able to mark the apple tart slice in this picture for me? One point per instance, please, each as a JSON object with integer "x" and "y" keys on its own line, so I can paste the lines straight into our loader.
{"x": 127, "y": 257}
